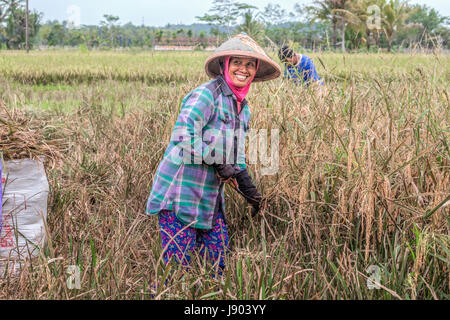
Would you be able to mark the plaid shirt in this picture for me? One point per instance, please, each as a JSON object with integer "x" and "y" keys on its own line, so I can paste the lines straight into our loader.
{"x": 208, "y": 130}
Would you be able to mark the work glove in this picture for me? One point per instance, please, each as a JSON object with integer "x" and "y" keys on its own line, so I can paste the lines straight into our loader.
{"x": 225, "y": 171}
{"x": 249, "y": 191}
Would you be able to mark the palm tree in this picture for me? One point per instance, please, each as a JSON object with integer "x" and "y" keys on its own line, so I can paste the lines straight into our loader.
{"x": 252, "y": 27}
{"x": 331, "y": 10}
{"x": 358, "y": 13}
{"x": 323, "y": 10}
{"x": 341, "y": 7}
{"x": 394, "y": 15}
{"x": 8, "y": 6}
{"x": 368, "y": 10}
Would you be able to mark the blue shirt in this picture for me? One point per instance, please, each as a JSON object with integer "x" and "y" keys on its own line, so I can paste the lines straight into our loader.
{"x": 303, "y": 72}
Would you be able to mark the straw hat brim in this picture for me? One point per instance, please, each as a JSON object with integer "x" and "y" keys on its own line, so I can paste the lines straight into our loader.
{"x": 267, "y": 69}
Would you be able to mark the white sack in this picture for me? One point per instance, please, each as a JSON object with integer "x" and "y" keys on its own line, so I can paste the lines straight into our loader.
{"x": 26, "y": 189}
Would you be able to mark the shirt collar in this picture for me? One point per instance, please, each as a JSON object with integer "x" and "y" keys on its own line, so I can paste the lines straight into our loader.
{"x": 223, "y": 85}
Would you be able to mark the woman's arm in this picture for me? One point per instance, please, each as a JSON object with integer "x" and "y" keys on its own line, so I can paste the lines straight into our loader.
{"x": 187, "y": 136}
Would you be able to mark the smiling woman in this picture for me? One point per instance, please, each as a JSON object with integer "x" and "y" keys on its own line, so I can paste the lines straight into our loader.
{"x": 188, "y": 188}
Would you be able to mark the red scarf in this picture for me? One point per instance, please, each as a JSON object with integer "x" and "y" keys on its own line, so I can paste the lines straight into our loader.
{"x": 239, "y": 92}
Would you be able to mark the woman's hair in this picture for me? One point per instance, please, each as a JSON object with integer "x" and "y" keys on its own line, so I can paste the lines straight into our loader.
{"x": 285, "y": 52}
{"x": 222, "y": 64}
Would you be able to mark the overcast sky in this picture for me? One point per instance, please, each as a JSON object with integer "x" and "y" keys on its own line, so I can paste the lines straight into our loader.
{"x": 159, "y": 12}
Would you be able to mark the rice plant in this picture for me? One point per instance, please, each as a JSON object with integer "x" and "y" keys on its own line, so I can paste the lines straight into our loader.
{"x": 362, "y": 181}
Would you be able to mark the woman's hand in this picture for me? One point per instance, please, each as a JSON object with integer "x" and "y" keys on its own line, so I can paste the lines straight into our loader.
{"x": 231, "y": 181}
{"x": 264, "y": 204}
{"x": 225, "y": 173}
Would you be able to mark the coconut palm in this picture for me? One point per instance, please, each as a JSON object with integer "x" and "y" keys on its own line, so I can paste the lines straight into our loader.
{"x": 394, "y": 15}
{"x": 341, "y": 7}
{"x": 358, "y": 13}
{"x": 331, "y": 10}
{"x": 252, "y": 26}
{"x": 323, "y": 10}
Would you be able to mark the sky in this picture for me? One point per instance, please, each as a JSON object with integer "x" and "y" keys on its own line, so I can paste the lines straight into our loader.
{"x": 159, "y": 13}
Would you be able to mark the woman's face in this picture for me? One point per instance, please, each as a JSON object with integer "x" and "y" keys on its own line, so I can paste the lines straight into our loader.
{"x": 241, "y": 70}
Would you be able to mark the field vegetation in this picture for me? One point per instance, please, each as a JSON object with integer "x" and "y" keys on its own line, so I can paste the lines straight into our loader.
{"x": 363, "y": 178}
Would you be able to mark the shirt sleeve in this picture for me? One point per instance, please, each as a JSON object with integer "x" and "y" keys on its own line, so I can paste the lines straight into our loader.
{"x": 187, "y": 136}
{"x": 311, "y": 72}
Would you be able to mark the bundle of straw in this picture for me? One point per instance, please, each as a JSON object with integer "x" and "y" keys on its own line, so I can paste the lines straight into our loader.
{"x": 22, "y": 137}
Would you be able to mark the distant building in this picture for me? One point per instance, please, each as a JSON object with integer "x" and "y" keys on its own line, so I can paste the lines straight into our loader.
{"x": 188, "y": 42}
{"x": 181, "y": 48}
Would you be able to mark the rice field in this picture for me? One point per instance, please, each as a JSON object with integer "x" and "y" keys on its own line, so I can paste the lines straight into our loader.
{"x": 362, "y": 185}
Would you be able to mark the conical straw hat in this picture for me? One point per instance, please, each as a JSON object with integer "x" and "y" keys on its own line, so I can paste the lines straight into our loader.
{"x": 243, "y": 45}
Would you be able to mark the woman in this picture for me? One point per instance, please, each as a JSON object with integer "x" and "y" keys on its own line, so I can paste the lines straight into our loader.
{"x": 206, "y": 150}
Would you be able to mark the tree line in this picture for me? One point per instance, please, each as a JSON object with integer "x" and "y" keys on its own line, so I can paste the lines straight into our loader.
{"x": 345, "y": 25}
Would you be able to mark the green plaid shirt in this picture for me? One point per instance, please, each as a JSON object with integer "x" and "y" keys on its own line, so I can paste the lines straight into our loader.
{"x": 208, "y": 130}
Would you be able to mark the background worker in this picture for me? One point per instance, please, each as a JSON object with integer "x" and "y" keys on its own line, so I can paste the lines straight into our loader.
{"x": 298, "y": 67}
